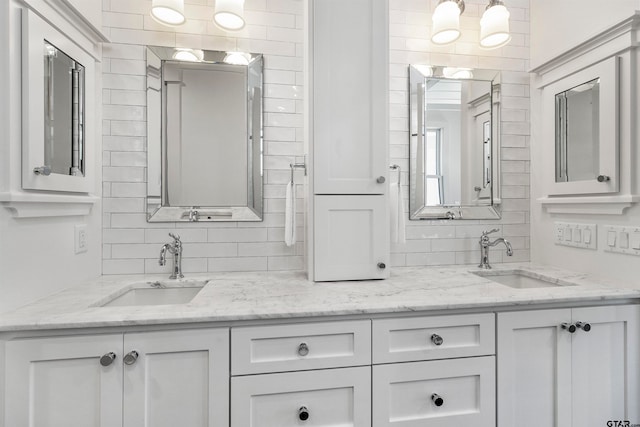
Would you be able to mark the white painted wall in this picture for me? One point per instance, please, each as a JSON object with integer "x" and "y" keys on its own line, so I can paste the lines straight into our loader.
{"x": 561, "y": 25}
{"x": 37, "y": 256}
{"x": 598, "y": 262}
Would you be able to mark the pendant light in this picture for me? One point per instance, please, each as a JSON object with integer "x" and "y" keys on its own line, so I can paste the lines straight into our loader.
{"x": 168, "y": 12}
{"x": 229, "y": 14}
{"x": 446, "y": 21}
{"x": 494, "y": 26}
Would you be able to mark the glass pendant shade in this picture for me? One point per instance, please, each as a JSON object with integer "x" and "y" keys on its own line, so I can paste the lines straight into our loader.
{"x": 494, "y": 27}
{"x": 168, "y": 12}
{"x": 446, "y": 23}
{"x": 229, "y": 14}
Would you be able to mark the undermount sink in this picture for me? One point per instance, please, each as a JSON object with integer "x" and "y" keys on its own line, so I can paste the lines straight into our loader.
{"x": 156, "y": 293}
{"x": 520, "y": 279}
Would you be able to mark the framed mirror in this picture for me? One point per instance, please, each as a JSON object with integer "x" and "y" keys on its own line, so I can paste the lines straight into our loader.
{"x": 453, "y": 149}
{"x": 204, "y": 135}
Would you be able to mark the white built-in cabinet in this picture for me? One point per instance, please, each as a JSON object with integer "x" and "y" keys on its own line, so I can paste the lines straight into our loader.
{"x": 160, "y": 379}
{"x": 549, "y": 376}
{"x": 349, "y": 134}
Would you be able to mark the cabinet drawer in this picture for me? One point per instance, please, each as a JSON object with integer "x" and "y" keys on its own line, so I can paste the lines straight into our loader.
{"x": 333, "y": 397}
{"x": 412, "y": 339}
{"x": 406, "y": 394}
{"x": 296, "y": 347}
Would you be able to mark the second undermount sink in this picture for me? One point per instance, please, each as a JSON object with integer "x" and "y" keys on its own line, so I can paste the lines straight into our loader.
{"x": 520, "y": 279}
{"x": 156, "y": 293}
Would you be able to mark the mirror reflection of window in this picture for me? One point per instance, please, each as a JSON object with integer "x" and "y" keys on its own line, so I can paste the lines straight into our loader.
{"x": 63, "y": 112}
{"x": 433, "y": 167}
{"x": 577, "y": 132}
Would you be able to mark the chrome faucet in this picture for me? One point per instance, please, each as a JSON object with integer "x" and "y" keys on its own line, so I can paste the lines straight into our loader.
{"x": 486, "y": 243}
{"x": 174, "y": 248}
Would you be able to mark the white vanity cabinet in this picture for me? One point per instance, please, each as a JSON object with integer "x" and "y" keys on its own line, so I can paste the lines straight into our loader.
{"x": 316, "y": 374}
{"x": 160, "y": 379}
{"x": 348, "y": 104}
{"x": 550, "y": 377}
{"x": 447, "y": 378}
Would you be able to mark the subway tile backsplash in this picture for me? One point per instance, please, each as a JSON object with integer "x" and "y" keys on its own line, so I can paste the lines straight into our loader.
{"x": 276, "y": 29}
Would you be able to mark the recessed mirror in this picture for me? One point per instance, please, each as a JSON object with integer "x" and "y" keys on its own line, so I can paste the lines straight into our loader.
{"x": 204, "y": 130}
{"x": 454, "y": 150}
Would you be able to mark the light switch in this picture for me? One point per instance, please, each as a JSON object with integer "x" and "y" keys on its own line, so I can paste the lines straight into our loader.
{"x": 611, "y": 238}
{"x": 567, "y": 234}
{"x": 635, "y": 240}
{"x": 586, "y": 236}
{"x": 577, "y": 235}
{"x": 624, "y": 240}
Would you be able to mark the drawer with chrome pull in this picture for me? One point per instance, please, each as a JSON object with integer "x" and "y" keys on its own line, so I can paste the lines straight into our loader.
{"x": 437, "y": 337}
{"x": 300, "y": 346}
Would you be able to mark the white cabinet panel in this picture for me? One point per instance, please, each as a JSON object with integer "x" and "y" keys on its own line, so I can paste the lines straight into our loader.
{"x": 179, "y": 378}
{"x": 406, "y": 394}
{"x": 278, "y": 348}
{"x": 349, "y": 93}
{"x": 331, "y": 397}
{"x": 351, "y": 238}
{"x": 54, "y": 382}
{"x": 437, "y": 337}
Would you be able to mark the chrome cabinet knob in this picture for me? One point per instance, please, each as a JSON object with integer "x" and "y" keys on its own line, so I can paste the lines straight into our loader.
{"x": 381, "y": 180}
{"x": 303, "y": 349}
{"x": 131, "y": 357}
{"x": 437, "y": 339}
{"x": 382, "y": 265}
{"x": 303, "y": 413}
{"x": 42, "y": 170}
{"x": 603, "y": 178}
{"x": 108, "y": 359}
{"x": 437, "y": 400}
{"x": 584, "y": 326}
{"x": 568, "y": 327}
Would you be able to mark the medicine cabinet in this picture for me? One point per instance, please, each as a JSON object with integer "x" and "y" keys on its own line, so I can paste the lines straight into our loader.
{"x": 58, "y": 103}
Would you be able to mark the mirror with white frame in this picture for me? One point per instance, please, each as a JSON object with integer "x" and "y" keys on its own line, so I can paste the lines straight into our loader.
{"x": 204, "y": 135}
{"x": 454, "y": 143}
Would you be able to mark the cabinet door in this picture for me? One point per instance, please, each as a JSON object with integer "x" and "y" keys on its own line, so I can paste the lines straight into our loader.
{"x": 180, "y": 378}
{"x": 53, "y": 382}
{"x": 534, "y": 369}
{"x": 441, "y": 393}
{"x": 605, "y": 360}
{"x": 349, "y": 104}
{"x": 351, "y": 238}
{"x": 331, "y": 397}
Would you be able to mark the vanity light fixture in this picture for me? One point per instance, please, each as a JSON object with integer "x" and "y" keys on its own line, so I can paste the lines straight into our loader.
{"x": 189, "y": 55}
{"x": 229, "y": 14}
{"x": 494, "y": 24}
{"x": 168, "y": 12}
{"x": 237, "y": 58}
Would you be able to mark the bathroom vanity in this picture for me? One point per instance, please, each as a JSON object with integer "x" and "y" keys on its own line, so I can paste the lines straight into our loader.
{"x": 436, "y": 346}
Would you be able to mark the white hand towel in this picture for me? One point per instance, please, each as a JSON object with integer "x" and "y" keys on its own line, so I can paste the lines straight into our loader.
{"x": 398, "y": 234}
{"x": 290, "y": 215}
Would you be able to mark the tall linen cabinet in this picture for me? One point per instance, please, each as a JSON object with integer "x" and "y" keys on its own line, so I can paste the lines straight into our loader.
{"x": 347, "y": 104}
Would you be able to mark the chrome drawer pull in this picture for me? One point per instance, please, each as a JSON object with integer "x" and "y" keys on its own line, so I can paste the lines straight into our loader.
{"x": 108, "y": 359}
{"x": 130, "y": 358}
{"x": 584, "y": 326}
{"x": 303, "y": 413}
{"x": 571, "y": 328}
{"x": 437, "y": 400}
{"x": 437, "y": 339}
{"x": 303, "y": 349}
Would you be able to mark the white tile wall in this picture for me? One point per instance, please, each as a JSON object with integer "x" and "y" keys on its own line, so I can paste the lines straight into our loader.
{"x": 130, "y": 244}
{"x": 456, "y": 242}
{"x": 275, "y": 28}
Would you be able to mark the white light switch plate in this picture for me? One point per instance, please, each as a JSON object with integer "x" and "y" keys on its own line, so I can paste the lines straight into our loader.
{"x": 575, "y": 235}
{"x": 622, "y": 239}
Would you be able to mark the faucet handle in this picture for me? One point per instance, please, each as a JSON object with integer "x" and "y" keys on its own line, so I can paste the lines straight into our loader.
{"x": 486, "y": 233}
{"x": 175, "y": 237}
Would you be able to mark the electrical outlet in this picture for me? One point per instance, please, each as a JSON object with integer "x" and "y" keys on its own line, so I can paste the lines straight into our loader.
{"x": 80, "y": 233}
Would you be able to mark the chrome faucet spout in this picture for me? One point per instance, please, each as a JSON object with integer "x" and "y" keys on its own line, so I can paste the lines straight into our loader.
{"x": 486, "y": 243}
{"x": 163, "y": 254}
{"x": 174, "y": 248}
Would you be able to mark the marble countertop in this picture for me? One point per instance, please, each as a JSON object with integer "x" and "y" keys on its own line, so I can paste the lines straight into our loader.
{"x": 230, "y": 297}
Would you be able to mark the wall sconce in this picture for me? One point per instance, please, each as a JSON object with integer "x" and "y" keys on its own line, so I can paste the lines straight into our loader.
{"x": 188, "y": 55}
{"x": 494, "y": 24}
{"x": 229, "y": 14}
{"x": 168, "y": 12}
{"x": 237, "y": 58}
